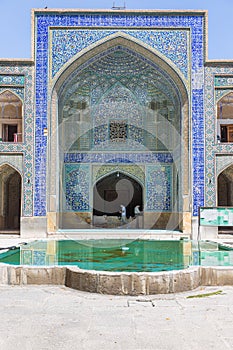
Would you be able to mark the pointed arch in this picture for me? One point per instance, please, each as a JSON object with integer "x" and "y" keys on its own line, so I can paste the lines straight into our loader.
{"x": 10, "y": 194}
{"x": 225, "y": 118}
{"x": 122, "y": 171}
{"x": 127, "y": 41}
{"x": 225, "y": 193}
{"x": 225, "y": 187}
{"x": 64, "y": 86}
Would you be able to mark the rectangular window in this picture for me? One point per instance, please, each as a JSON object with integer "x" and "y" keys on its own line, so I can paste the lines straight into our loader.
{"x": 9, "y": 133}
{"x": 226, "y": 133}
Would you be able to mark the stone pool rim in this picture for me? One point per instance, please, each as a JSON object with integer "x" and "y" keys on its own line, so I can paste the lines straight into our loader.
{"x": 117, "y": 283}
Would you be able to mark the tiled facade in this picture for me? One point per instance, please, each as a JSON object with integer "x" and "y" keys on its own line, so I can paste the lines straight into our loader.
{"x": 18, "y": 77}
{"x": 167, "y": 47}
{"x": 193, "y": 23}
{"x": 218, "y": 82}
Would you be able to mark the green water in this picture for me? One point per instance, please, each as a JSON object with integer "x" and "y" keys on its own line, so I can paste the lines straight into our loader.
{"x": 11, "y": 257}
{"x": 108, "y": 255}
{"x": 121, "y": 255}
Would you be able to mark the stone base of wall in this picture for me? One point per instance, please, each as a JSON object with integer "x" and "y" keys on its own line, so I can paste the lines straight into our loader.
{"x": 74, "y": 220}
{"x": 149, "y": 220}
{"x": 33, "y": 227}
{"x": 118, "y": 283}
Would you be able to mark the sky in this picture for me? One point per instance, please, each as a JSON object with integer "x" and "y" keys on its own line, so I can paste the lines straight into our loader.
{"x": 15, "y": 21}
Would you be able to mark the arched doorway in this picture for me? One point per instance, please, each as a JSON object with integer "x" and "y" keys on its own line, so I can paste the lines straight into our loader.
{"x": 225, "y": 193}
{"x": 10, "y": 207}
{"x": 112, "y": 191}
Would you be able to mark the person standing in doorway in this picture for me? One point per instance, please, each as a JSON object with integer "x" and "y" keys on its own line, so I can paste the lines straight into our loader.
{"x": 123, "y": 214}
{"x": 137, "y": 213}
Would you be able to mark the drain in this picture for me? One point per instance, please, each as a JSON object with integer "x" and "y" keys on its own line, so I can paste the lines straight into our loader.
{"x": 141, "y": 302}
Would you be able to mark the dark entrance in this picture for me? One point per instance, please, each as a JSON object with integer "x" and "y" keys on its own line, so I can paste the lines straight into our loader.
{"x": 10, "y": 208}
{"x": 115, "y": 190}
{"x": 225, "y": 194}
{"x": 8, "y": 132}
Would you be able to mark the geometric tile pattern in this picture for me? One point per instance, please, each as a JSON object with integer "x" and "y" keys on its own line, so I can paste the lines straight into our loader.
{"x": 220, "y": 80}
{"x": 77, "y": 187}
{"x": 125, "y": 21}
{"x": 141, "y": 158}
{"x": 12, "y": 80}
{"x": 158, "y": 183}
{"x": 173, "y": 44}
{"x": 159, "y": 188}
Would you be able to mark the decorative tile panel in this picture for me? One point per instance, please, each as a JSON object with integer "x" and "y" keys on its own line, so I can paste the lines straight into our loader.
{"x": 159, "y": 188}
{"x": 76, "y": 187}
{"x": 223, "y": 81}
{"x": 12, "y": 80}
{"x": 171, "y": 43}
{"x": 94, "y": 157}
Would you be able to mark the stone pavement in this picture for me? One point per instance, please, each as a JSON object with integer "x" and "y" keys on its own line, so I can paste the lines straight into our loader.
{"x": 54, "y": 317}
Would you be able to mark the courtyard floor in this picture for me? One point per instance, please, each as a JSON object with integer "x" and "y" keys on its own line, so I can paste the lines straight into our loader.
{"x": 56, "y": 317}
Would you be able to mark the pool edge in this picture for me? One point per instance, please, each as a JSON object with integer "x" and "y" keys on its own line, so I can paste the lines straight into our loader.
{"x": 118, "y": 283}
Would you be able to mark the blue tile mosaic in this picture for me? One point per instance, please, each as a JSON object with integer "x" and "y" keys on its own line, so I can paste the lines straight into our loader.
{"x": 223, "y": 81}
{"x": 144, "y": 21}
{"x": 12, "y": 80}
{"x": 173, "y": 44}
{"x": 39, "y": 257}
{"x": 159, "y": 188}
{"x": 142, "y": 158}
{"x": 76, "y": 187}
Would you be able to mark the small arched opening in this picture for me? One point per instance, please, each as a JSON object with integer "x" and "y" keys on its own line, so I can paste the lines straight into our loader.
{"x": 10, "y": 204}
{"x": 225, "y": 192}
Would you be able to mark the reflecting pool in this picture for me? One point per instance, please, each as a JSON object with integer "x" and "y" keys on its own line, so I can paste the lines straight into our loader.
{"x": 120, "y": 254}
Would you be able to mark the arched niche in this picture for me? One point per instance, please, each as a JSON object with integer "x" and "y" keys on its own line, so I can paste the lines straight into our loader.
{"x": 10, "y": 117}
{"x": 225, "y": 187}
{"x": 225, "y": 118}
{"x": 71, "y": 122}
{"x": 225, "y": 193}
{"x": 10, "y": 191}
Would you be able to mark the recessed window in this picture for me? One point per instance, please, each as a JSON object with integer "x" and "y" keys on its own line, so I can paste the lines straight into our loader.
{"x": 225, "y": 119}
{"x": 118, "y": 131}
{"x": 10, "y": 117}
